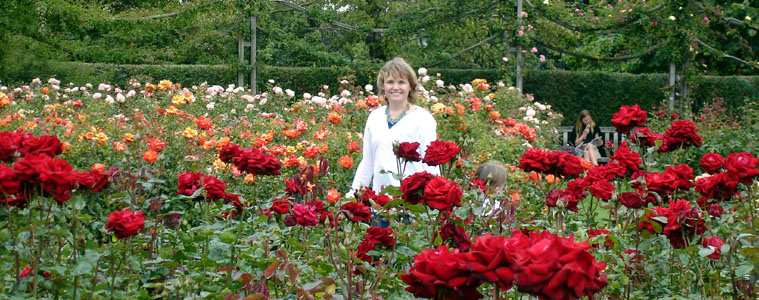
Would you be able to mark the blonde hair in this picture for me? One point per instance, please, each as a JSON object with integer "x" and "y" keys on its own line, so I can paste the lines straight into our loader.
{"x": 492, "y": 173}
{"x": 579, "y": 126}
{"x": 398, "y": 67}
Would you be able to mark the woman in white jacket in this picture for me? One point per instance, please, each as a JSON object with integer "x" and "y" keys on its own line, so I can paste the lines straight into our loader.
{"x": 401, "y": 120}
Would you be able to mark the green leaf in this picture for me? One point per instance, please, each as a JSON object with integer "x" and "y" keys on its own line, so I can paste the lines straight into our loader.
{"x": 311, "y": 285}
{"x": 393, "y": 203}
{"x": 417, "y": 208}
{"x": 748, "y": 250}
{"x": 743, "y": 270}
{"x": 705, "y": 252}
{"x": 751, "y": 32}
{"x": 724, "y": 249}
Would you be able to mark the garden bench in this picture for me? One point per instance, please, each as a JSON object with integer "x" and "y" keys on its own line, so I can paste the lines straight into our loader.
{"x": 608, "y": 134}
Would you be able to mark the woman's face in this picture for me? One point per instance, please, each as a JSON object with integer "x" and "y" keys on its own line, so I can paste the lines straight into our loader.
{"x": 586, "y": 120}
{"x": 396, "y": 89}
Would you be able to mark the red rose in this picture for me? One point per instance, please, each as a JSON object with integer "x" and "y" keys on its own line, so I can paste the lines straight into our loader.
{"x": 742, "y": 166}
{"x": 290, "y": 221}
{"x": 188, "y": 183}
{"x": 407, "y": 151}
{"x": 720, "y": 186}
{"x": 628, "y": 118}
{"x": 9, "y": 144}
{"x": 553, "y": 197}
{"x": 601, "y": 189}
{"x": 9, "y": 183}
{"x": 456, "y": 235}
{"x": 608, "y": 243}
{"x": 683, "y": 222}
{"x": 644, "y": 137}
{"x": 567, "y": 165}
{"x": 229, "y": 152}
{"x": 364, "y": 247}
{"x": 712, "y": 162}
{"x": 663, "y": 183}
{"x": 607, "y": 171}
{"x": 442, "y": 194}
{"x": 254, "y": 161}
{"x": 715, "y": 243}
{"x": 235, "y": 200}
{"x": 380, "y": 235}
{"x": 381, "y": 199}
{"x": 412, "y": 187}
{"x": 632, "y": 200}
{"x": 551, "y": 267}
{"x": 684, "y": 176}
{"x": 26, "y": 167}
{"x": 101, "y": 179}
{"x": 627, "y": 158}
{"x": 125, "y": 223}
{"x": 356, "y": 211}
{"x": 46, "y": 144}
{"x": 536, "y": 160}
{"x": 215, "y": 188}
{"x": 715, "y": 210}
{"x": 280, "y": 206}
{"x": 440, "y": 152}
{"x": 681, "y": 134}
{"x": 440, "y": 273}
{"x": 305, "y": 215}
{"x": 56, "y": 178}
{"x": 491, "y": 257}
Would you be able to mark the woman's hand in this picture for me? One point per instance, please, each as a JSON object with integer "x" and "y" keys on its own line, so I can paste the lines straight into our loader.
{"x": 586, "y": 130}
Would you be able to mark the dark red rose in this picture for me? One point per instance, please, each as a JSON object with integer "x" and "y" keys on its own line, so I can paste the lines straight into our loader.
{"x": 254, "y": 161}
{"x": 720, "y": 186}
{"x": 19, "y": 200}
{"x": 551, "y": 267}
{"x": 9, "y": 183}
{"x": 440, "y": 152}
{"x": 305, "y": 215}
{"x": 480, "y": 184}
{"x": 101, "y": 179}
{"x": 553, "y": 197}
{"x": 408, "y": 151}
{"x": 364, "y": 247}
{"x": 26, "y": 167}
{"x": 440, "y": 273}
{"x": 577, "y": 189}
{"x": 681, "y": 134}
{"x": 290, "y": 221}
{"x": 234, "y": 199}
{"x": 356, "y": 211}
{"x": 608, "y": 243}
{"x": 567, "y": 165}
{"x": 125, "y": 223}
{"x": 442, "y": 194}
{"x": 215, "y": 188}
{"x": 663, "y": 183}
{"x": 557, "y": 163}
{"x": 9, "y": 144}
{"x": 56, "y": 177}
{"x": 381, "y": 199}
{"x": 683, "y": 222}
{"x": 601, "y": 189}
{"x": 627, "y": 158}
{"x": 84, "y": 180}
{"x": 229, "y": 152}
{"x": 456, "y": 235}
{"x": 715, "y": 210}
{"x": 608, "y": 171}
{"x": 491, "y": 257}
{"x": 684, "y": 176}
{"x": 712, "y": 162}
{"x": 742, "y": 166}
{"x": 46, "y": 144}
{"x": 188, "y": 183}
{"x": 715, "y": 243}
{"x": 632, "y": 200}
{"x": 381, "y": 235}
{"x": 412, "y": 187}
{"x": 644, "y": 137}
{"x": 536, "y": 160}
{"x": 280, "y": 206}
{"x": 628, "y": 118}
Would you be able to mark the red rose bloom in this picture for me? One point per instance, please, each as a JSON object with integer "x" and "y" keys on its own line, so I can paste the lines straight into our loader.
{"x": 553, "y": 197}
{"x": 663, "y": 183}
{"x": 567, "y": 165}
{"x": 536, "y": 160}
{"x": 412, "y": 187}
{"x": 720, "y": 186}
{"x": 188, "y": 183}
{"x": 356, "y": 211}
{"x": 9, "y": 183}
{"x": 280, "y": 206}
{"x": 305, "y": 215}
{"x": 601, "y": 189}
{"x": 684, "y": 176}
{"x": 46, "y": 144}
{"x": 9, "y": 144}
{"x": 712, "y": 162}
{"x": 491, "y": 257}
{"x": 742, "y": 166}
{"x": 254, "y": 161}
{"x": 26, "y": 167}
{"x": 125, "y": 223}
{"x": 364, "y": 247}
{"x": 229, "y": 152}
{"x": 645, "y": 137}
{"x": 715, "y": 243}
{"x": 56, "y": 178}
{"x": 681, "y": 134}
{"x": 628, "y": 118}
{"x": 627, "y": 158}
{"x": 607, "y": 171}
{"x": 442, "y": 194}
{"x": 715, "y": 210}
{"x": 608, "y": 243}
{"x": 440, "y": 152}
{"x": 632, "y": 200}
{"x": 456, "y": 235}
{"x": 551, "y": 267}
{"x": 215, "y": 188}
{"x": 407, "y": 151}
{"x": 440, "y": 273}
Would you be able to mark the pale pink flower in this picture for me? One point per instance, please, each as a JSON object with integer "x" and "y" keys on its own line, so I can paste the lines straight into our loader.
{"x": 422, "y": 71}
{"x": 542, "y": 58}
{"x": 96, "y": 96}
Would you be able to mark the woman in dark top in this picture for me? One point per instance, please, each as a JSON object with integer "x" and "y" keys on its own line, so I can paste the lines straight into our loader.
{"x": 589, "y": 138}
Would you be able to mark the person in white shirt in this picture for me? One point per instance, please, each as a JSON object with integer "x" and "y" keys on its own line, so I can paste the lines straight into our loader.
{"x": 401, "y": 120}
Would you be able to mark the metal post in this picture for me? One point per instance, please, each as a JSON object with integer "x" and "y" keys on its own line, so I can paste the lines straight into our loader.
{"x": 253, "y": 49}
{"x": 672, "y": 70}
{"x": 241, "y": 58}
{"x": 519, "y": 49}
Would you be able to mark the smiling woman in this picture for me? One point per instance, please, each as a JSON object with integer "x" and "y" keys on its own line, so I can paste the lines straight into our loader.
{"x": 401, "y": 120}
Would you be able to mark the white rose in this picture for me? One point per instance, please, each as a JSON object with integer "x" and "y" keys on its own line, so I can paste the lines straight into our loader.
{"x": 120, "y": 97}
{"x": 277, "y": 90}
{"x": 368, "y": 88}
{"x": 345, "y": 93}
{"x": 422, "y": 71}
{"x": 439, "y": 83}
{"x": 306, "y": 96}
{"x": 290, "y": 93}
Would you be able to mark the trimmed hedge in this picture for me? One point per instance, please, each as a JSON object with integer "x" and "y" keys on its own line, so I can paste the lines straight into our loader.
{"x": 567, "y": 91}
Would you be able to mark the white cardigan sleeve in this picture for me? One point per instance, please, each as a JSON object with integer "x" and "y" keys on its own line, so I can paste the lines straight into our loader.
{"x": 365, "y": 169}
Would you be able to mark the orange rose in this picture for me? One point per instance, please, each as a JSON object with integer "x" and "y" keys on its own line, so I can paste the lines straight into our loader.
{"x": 150, "y": 156}
{"x": 333, "y": 196}
{"x": 346, "y": 162}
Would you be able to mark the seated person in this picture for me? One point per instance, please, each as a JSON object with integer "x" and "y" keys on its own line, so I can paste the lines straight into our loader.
{"x": 589, "y": 140}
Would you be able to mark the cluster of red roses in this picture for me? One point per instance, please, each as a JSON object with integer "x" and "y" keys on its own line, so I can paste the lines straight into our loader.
{"x": 250, "y": 160}
{"x": 189, "y": 183}
{"x": 596, "y": 180}
{"x": 683, "y": 221}
{"x": 374, "y": 237}
{"x": 125, "y": 223}
{"x": 557, "y": 163}
{"x": 680, "y": 134}
{"x": 726, "y": 174}
{"x": 36, "y": 168}
{"x": 434, "y": 191}
{"x": 539, "y": 263}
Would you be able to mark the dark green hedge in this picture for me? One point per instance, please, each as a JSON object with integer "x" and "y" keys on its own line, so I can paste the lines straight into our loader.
{"x": 567, "y": 91}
